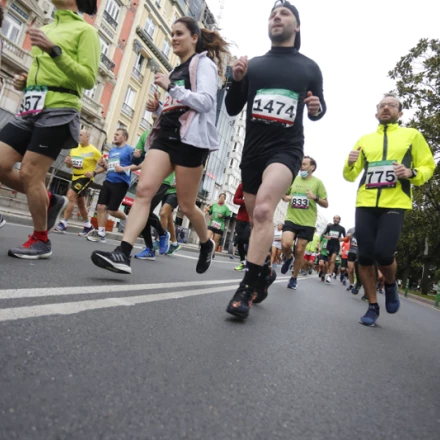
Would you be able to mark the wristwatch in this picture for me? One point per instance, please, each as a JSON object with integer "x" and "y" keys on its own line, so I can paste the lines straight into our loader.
{"x": 94, "y": 173}
{"x": 414, "y": 173}
{"x": 317, "y": 198}
{"x": 171, "y": 86}
{"x": 55, "y": 52}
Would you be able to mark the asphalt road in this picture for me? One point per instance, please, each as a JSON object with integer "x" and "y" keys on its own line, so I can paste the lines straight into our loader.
{"x": 87, "y": 354}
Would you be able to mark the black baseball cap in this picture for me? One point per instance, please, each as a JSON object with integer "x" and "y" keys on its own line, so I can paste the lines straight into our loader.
{"x": 87, "y": 6}
{"x": 286, "y": 4}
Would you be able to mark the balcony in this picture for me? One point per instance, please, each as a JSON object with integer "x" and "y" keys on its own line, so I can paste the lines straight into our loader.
{"x": 237, "y": 138}
{"x": 110, "y": 20}
{"x": 127, "y": 110}
{"x": 138, "y": 75}
{"x": 143, "y": 34}
{"x": 108, "y": 63}
{"x": 235, "y": 155}
{"x": 145, "y": 124}
{"x": 91, "y": 107}
{"x": 13, "y": 54}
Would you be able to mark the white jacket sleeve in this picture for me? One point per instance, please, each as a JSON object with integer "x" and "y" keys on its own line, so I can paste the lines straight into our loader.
{"x": 204, "y": 97}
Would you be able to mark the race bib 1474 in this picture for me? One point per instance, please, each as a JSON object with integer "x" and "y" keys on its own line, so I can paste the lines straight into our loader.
{"x": 275, "y": 106}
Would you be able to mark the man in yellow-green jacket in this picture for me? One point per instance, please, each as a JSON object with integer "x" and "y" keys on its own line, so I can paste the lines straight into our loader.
{"x": 66, "y": 57}
{"x": 392, "y": 159}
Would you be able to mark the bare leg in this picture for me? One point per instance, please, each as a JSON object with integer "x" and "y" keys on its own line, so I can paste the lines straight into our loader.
{"x": 102, "y": 215}
{"x": 81, "y": 202}
{"x": 273, "y": 255}
{"x": 118, "y": 214}
{"x": 171, "y": 229}
{"x": 8, "y": 175}
{"x": 71, "y": 195}
{"x": 287, "y": 240}
{"x": 368, "y": 279}
{"x": 299, "y": 256}
{"x": 332, "y": 264}
{"x": 389, "y": 272}
{"x": 351, "y": 272}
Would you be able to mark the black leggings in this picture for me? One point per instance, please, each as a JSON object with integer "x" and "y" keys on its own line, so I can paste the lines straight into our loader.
{"x": 153, "y": 219}
{"x": 377, "y": 234}
{"x": 243, "y": 231}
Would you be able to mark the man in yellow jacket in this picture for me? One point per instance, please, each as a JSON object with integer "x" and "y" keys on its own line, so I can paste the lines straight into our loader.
{"x": 392, "y": 159}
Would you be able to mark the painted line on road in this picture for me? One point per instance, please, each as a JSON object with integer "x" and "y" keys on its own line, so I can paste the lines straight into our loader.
{"x": 86, "y": 290}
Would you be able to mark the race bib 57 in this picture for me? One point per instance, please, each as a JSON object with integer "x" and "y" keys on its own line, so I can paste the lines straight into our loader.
{"x": 33, "y": 100}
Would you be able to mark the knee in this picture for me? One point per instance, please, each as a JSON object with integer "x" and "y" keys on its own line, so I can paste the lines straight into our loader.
{"x": 27, "y": 174}
{"x": 384, "y": 258}
{"x": 112, "y": 213}
{"x": 187, "y": 208}
{"x": 144, "y": 191}
{"x": 163, "y": 215}
{"x": 101, "y": 209}
{"x": 263, "y": 214}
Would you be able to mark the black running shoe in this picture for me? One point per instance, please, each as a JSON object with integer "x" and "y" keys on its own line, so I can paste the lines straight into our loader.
{"x": 263, "y": 287}
{"x": 241, "y": 302}
{"x": 205, "y": 257}
{"x": 56, "y": 208}
{"x": 114, "y": 261}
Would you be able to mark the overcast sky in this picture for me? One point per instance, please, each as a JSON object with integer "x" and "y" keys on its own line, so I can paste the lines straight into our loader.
{"x": 355, "y": 44}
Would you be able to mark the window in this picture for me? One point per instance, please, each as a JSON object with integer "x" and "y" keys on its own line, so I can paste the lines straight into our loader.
{"x": 154, "y": 89}
{"x": 147, "y": 115}
{"x": 166, "y": 47}
{"x": 130, "y": 97}
{"x": 113, "y": 8}
{"x": 121, "y": 125}
{"x": 150, "y": 27}
{"x": 139, "y": 63}
{"x": 231, "y": 163}
{"x": 12, "y": 28}
{"x": 92, "y": 92}
{"x": 158, "y": 3}
{"x": 105, "y": 46}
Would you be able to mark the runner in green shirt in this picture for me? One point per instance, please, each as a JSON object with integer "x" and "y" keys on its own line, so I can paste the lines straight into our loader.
{"x": 219, "y": 212}
{"x": 310, "y": 254}
{"x": 303, "y": 196}
{"x": 323, "y": 258}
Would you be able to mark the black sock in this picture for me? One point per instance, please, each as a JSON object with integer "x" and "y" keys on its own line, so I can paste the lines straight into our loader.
{"x": 375, "y": 305}
{"x": 126, "y": 248}
{"x": 252, "y": 272}
{"x": 389, "y": 285}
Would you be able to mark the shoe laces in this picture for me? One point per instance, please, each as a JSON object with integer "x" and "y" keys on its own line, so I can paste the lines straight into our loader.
{"x": 31, "y": 240}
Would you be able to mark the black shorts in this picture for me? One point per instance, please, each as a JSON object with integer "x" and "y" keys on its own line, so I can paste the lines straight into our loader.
{"x": 252, "y": 171}
{"x": 344, "y": 263}
{"x": 323, "y": 258}
{"x": 333, "y": 247}
{"x": 112, "y": 194}
{"x": 242, "y": 232}
{"x": 79, "y": 186}
{"x": 181, "y": 154}
{"x": 170, "y": 199}
{"x": 352, "y": 257}
{"x": 215, "y": 230}
{"x": 377, "y": 234}
{"x": 47, "y": 141}
{"x": 303, "y": 232}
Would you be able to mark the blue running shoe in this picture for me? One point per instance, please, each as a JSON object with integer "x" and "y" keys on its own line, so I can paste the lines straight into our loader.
{"x": 292, "y": 284}
{"x": 355, "y": 290}
{"x": 61, "y": 228}
{"x": 156, "y": 245}
{"x": 164, "y": 243}
{"x": 370, "y": 318}
{"x": 286, "y": 265}
{"x": 146, "y": 254}
{"x": 392, "y": 301}
{"x": 86, "y": 231}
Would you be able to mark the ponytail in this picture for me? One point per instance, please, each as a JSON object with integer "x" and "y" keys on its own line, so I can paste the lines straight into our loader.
{"x": 209, "y": 41}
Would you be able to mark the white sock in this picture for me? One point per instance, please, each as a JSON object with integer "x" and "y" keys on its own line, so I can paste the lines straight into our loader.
{"x": 64, "y": 222}
{"x": 174, "y": 243}
{"x": 87, "y": 224}
{"x": 101, "y": 230}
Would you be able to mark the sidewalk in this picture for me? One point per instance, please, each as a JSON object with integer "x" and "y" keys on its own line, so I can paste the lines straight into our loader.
{"x": 19, "y": 217}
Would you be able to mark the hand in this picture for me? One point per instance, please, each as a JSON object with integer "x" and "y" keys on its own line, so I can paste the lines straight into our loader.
{"x": 19, "y": 81}
{"x": 68, "y": 160}
{"x": 287, "y": 198}
{"x": 401, "y": 171}
{"x": 219, "y": 216}
{"x": 354, "y": 156}
{"x": 120, "y": 169}
{"x": 313, "y": 104}
{"x": 310, "y": 195}
{"x": 137, "y": 154}
{"x": 239, "y": 69}
{"x": 153, "y": 104}
{"x": 101, "y": 162}
{"x": 89, "y": 175}
{"x": 162, "y": 80}
{"x": 39, "y": 39}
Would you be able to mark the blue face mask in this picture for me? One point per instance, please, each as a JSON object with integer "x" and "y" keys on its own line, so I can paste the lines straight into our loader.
{"x": 304, "y": 174}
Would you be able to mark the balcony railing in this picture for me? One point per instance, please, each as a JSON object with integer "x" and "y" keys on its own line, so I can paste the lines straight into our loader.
{"x": 108, "y": 63}
{"x": 111, "y": 21}
{"x": 16, "y": 54}
{"x": 138, "y": 75}
{"x": 127, "y": 110}
{"x": 92, "y": 107}
{"x": 145, "y": 124}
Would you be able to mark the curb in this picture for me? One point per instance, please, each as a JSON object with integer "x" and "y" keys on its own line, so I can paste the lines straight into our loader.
{"x": 428, "y": 301}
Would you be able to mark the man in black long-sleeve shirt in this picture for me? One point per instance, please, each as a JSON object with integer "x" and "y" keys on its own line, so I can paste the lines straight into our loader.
{"x": 276, "y": 87}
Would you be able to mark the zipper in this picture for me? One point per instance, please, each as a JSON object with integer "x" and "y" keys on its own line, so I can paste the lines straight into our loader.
{"x": 37, "y": 57}
{"x": 384, "y": 157}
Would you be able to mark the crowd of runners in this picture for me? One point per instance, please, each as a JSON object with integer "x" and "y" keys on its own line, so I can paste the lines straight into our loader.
{"x": 277, "y": 88}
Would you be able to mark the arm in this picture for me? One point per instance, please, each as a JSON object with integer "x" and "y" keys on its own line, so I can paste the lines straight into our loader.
{"x": 203, "y": 99}
{"x": 316, "y": 88}
{"x": 343, "y": 235}
{"x": 239, "y": 196}
{"x": 351, "y": 172}
{"x": 423, "y": 161}
{"x": 236, "y": 97}
{"x": 84, "y": 72}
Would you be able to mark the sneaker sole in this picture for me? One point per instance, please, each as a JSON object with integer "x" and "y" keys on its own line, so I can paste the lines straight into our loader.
{"x": 210, "y": 261}
{"x": 96, "y": 240}
{"x": 234, "y": 312}
{"x": 367, "y": 325}
{"x": 30, "y": 257}
{"x": 145, "y": 258}
{"x": 58, "y": 231}
{"x": 105, "y": 263}
{"x": 2, "y": 223}
{"x": 60, "y": 213}
{"x": 173, "y": 252}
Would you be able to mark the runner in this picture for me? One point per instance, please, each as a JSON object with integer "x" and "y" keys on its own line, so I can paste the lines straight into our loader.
{"x": 219, "y": 212}
{"x": 119, "y": 166}
{"x": 181, "y": 138}
{"x": 49, "y": 117}
{"x": 83, "y": 160}
{"x": 276, "y": 246}
{"x": 344, "y": 260}
{"x": 242, "y": 227}
{"x": 306, "y": 192}
{"x": 393, "y": 158}
{"x": 352, "y": 263}
{"x": 276, "y": 87}
{"x": 169, "y": 204}
{"x": 310, "y": 254}
{"x": 323, "y": 258}
{"x": 334, "y": 233}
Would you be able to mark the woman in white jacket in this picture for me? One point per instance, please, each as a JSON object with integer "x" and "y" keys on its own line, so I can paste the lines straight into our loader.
{"x": 180, "y": 140}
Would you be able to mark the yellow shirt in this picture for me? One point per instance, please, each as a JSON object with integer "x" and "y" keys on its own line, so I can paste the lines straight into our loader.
{"x": 84, "y": 160}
